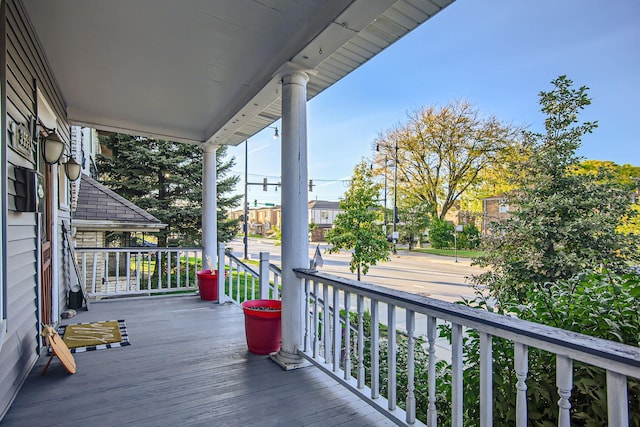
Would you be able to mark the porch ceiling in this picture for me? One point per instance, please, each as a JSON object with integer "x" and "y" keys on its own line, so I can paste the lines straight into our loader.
{"x": 206, "y": 71}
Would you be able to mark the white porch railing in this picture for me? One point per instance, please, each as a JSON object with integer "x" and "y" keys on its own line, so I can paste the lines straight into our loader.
{"x": 139, "y": 270}
{"x": 335, "y": 339}
{"x": 246, "y": 282}
{"x": 145, "y": 271}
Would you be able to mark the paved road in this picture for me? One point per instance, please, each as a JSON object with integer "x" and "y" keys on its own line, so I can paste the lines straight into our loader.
{"x": 430, "y": 275}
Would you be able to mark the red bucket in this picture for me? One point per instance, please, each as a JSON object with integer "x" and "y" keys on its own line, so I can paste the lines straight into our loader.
{"x": 263, "y": 325}
{"x": 208, "y": 284}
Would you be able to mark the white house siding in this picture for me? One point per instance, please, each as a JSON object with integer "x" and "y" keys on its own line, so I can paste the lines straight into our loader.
{"x": 22, "y": 65}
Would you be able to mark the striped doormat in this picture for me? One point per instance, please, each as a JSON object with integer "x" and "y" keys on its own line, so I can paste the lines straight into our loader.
{"x": 82, "y": 337}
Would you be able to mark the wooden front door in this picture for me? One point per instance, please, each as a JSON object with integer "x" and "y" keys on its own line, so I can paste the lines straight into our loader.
{"x": 46, "y": 290}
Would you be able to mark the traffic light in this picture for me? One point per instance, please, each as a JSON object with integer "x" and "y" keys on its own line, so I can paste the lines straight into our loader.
{"x": 310, "y": 185}
{"x": 255, "y": 203}
{"x": 264, "y": 184}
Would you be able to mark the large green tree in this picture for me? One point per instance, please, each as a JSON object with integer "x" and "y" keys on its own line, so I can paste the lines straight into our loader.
{"x": 563, "y": 222}
{"x": 440, "y": 153}
{"x": 165, "y": 179}
{"x": 358, "y": 227}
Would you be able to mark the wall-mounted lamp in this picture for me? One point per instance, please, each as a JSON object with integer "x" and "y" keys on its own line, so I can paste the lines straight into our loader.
{"x": 275, "y": 134}
{"x": 53, "y": 150}
{"x": 72, "y": 169}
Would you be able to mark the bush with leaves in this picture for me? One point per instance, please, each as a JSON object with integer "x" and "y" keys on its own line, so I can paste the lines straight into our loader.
{"x": 441, "y": 234}
{"x": 563, "y": 221}
{"x": 601, "y": 304}
{"x": 469, "y": 238}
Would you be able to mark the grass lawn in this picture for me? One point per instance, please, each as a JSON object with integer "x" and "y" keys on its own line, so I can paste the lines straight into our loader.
{"x": 449, "y": 252}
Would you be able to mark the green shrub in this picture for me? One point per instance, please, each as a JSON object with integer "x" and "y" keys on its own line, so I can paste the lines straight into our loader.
{"x": 600, "y": 304}
{"x": 469, "y": 238}
{"x": 441, "y": 234}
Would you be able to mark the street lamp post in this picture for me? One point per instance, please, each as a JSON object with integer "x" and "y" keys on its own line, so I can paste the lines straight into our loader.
{"x": 395, "y": 199}
{"x": 276, "y": 135}
{"x": 386, "y": 160}
{"x": 246, "y": 202}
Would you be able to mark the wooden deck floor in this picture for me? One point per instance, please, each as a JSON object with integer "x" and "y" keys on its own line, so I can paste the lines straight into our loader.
{"x": 187, "y": 364}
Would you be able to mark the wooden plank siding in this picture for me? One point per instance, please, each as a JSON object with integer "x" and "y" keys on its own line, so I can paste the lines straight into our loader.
{"x": 24, "y": 67}
{"x": 187, "y": 364}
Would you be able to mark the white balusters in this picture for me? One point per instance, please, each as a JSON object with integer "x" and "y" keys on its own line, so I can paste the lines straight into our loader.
{"x": 159, "y": 269}
{"x": 486, "y": 380}
{"x": 564, "y": 382}
{"x": 617, "y": 399}
{"x": 337, "y": 330}
{"x": 347, "y": 336}
{"x": 117, "y": 285}
{"x": 522, "y": 368}
{"x": 391, "y": 356}
{"x": 326, "y": 313}
{"x": 361, "y": 371}
{"x": 139, "y": 270}
{"x": 316, "y": 321}
{"x": 178, "y": 263}
{"x": 168, "y": 270}
{"x": 94, "y": 270}
{"x": 411, "y": 366}
{"x": 432, "y": 414}
{"x": 127, "y": 257}
{"x": 375, "y": 356}
{"x": 307, "y": 310}
{"x": 149, "y": 271}
{"x": 456, "y": 375}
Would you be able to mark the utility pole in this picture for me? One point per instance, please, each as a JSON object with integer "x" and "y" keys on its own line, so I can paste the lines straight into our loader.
{"x": 395, "y": 200}
{"x": 246, "y": 202}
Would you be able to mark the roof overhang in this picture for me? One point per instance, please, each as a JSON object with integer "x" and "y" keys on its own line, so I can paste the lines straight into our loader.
{"x": 89, "y": 225}
{"x": 206, "y": 71}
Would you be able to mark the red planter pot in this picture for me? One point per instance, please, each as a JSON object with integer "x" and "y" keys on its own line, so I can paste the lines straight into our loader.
{"x": 208, "y": 284}
{"x": 263, "y": 325}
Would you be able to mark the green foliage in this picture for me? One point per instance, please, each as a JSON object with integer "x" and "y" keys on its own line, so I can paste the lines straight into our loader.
{"x": 601, "y": 304}
{"x": 563, "y": 221}
{"x": 277, "y": 235}
{"x": 441, "y": 234}
{"x": 415, "y": 219}
{"x": 165, "y": 179}
{"x": 469, "y": 238}
{"x": 439, "y": 153}
{"x": 357, "y": 227}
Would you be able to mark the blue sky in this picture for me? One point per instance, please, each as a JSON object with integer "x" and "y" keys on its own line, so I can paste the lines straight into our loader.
{"x": 496, "y": 54}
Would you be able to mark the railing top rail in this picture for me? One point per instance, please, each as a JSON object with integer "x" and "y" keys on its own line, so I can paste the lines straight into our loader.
{"x": 138, "y": 249}
{"x": 275, "y": 269}
{"x": 600, "y": 352}
{"x": 245, "y": 266}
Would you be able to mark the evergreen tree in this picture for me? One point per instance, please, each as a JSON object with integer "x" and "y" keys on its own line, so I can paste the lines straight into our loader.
{"x": 165, "y": 179}
{"x": 358, "y": 227}
{"x": 562, "y": 222}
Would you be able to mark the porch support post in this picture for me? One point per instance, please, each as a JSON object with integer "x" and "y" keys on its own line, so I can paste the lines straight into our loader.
{"x": 295, "y": 244}
{"x": 209, "y": 205}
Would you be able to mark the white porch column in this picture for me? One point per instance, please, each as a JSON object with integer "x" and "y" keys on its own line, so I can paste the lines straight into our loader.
{"x": 209, "y": 205}
{"x": 295, "y": 245}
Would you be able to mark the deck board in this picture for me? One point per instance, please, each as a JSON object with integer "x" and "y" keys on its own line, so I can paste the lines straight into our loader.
{"x": 187, "y": 364}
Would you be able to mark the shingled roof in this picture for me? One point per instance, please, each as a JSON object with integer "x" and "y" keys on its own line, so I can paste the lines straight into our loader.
{"x": 324, "y": 204}
{"x": 100, "y": 208}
